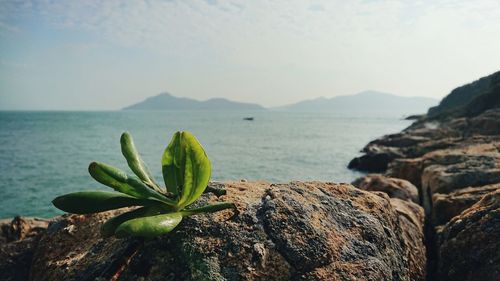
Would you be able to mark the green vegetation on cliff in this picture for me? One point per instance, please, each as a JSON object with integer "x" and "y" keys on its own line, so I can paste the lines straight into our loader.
{"x": 471, "y": 99}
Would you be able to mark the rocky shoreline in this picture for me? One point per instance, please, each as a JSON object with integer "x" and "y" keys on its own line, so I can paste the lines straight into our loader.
{"x": 432, "y": 212}
{"x": 455, "y": 166}
{"x": 452, "y": 157}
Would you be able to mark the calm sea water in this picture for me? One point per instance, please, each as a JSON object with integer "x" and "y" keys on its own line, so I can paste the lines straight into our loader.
{"x": 45, "y": 154}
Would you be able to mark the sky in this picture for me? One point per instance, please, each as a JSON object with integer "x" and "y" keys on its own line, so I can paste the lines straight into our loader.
{"x": 104, "y": 55}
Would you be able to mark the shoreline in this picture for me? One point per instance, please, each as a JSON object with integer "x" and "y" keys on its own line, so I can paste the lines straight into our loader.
{"x": 454, "y": 163}
{"x": 430, "y": 213}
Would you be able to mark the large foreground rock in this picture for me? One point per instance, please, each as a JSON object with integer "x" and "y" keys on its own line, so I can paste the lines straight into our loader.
{"x": 295, "y": 231}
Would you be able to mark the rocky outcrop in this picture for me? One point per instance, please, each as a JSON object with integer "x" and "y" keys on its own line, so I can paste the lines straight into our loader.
{"x": 18, "y": 240}
{"x": 295, "y": 231}
{"x": 447, "y": 206}
{"x": 427, "y": 136}
{"x": 469, "y": 245}
{"x": 470, "y": 99}
{"x": 452, "y": 156}
{"x": 394, "y": 187}
{"x": 451, "y": 174}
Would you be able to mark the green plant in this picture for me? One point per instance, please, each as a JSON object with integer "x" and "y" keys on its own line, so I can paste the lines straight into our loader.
{"x": 186, "y": 172}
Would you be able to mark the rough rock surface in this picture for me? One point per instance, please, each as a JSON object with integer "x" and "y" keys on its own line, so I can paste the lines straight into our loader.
{"x": 452, "y": 156}
{"x": 411, "y": 217}
{"x": 295, "y": 231}
{"x": 425, "y": 136}
{"x": 470, "y": 244}
{"x": 394, "y": 187}
{"x": 18, "y": 240}
{"x": 447, "y": 206}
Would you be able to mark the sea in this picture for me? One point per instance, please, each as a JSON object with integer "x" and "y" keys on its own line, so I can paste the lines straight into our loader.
{"x": 46, "y": 154}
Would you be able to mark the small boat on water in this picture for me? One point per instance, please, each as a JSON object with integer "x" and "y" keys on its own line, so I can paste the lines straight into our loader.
{"x": 248, "y": 118}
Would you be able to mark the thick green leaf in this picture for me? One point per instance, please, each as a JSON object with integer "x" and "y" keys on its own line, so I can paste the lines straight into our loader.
{"x": 135, "y": 162}
{"x": 172, "y": 162}
{"x": 197, "y": 171}
{"x": 109, "y": 227}
{"x": 208, "y": 209}
{"x": 86, "y": 202}
{"x": 186, "y": 168}
{"x": 121, "y": 182}
{"x": 150, "y": 226}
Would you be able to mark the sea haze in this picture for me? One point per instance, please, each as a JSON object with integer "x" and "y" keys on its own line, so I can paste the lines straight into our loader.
{"x": 45, "y": 154}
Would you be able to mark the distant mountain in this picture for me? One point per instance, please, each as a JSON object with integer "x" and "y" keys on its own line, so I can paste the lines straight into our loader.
{"x": 367, "y": 101}
{"x": 471, "y": 99}
{"x": 166, "y": 101}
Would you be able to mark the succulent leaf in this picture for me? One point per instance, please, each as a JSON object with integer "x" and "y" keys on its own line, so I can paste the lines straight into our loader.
{"x": 121, "y": 182}
{"x": 135, "y": 162}
{"x": 150, "y": 226}
{"x": 186, "y": 168}
{"x": 197, "y": 171}
{"x": 186, "y": 171}
{"x": 173, "y": 161}
{"x": 87, "y": 202}
{"x": 109, "y": 227}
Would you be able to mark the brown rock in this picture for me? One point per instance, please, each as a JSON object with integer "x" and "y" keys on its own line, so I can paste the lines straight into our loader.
{"x": 469, "y": 245}
{"x": 20, "y": 228}
{"x": 447, "y": 206}
{"x": 411, "y": 217}
{"x": 395, "y": 188}
{"x": 295, "y": 231}
{"x": 487, "y": 123}
{"x": 427, "y": 136}
{"x": 18, "y": 240}
{"x": 407, "y": 169}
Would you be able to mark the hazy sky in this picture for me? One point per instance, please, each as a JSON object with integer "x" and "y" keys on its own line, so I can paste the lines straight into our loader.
{"x": 93, "y": 55}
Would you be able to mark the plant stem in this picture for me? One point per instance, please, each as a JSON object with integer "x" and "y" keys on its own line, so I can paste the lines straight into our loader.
{"x": 208, "y": 209}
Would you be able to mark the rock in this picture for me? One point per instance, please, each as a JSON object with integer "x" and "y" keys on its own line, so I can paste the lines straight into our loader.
{"x": 295, "y": 231}
{"x": 411, "y": 217}
{"x": 425, "y": 136}
{"x": 445, "y": 171}
{"x": 471, "y": 98}
{"x": 452, "y": 156}
{"x": 20, "y": 228}
{"x": 407, "y": 169}
{"x": 18, "y": 240}
{"x": 469, "y": 247}
{"x": 395, "y": 188}
{"x": 415, "y": 117}
{"x": 375, "y": 162}
{"x": 447, "y": 206}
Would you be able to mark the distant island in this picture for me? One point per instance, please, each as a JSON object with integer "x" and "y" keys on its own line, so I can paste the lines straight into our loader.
{"x": 367, "y": 101}
{"x": 364, "y": 102}
{"x": 166, "y": 101}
